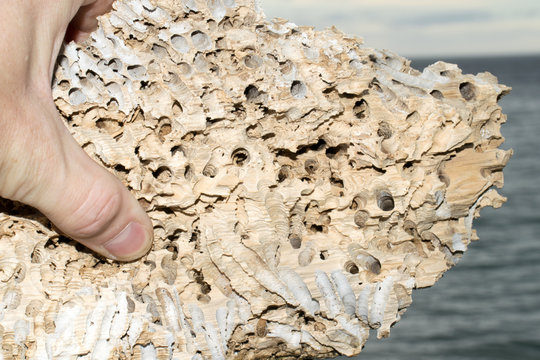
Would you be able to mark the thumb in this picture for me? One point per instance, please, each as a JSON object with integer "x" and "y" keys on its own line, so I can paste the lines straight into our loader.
{"x": 80, "y": 197}
{"x": 97, "y": 210}
{"x": 100, "y": 213}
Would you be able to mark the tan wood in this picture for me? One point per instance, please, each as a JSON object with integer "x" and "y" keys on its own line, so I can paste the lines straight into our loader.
{"x": 301, "y": 185}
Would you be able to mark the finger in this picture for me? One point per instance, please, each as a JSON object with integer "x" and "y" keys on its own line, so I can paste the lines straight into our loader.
{"x": 97, "y": 210}
{"x": 85, "y": 21}
{"x": 83, "y": 200}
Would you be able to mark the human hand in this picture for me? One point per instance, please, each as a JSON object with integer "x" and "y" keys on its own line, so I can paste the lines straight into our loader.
{"x": 40, "y": 163}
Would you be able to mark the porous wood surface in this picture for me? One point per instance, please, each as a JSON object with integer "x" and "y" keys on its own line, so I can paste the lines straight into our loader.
{"x": 301, "y": 185}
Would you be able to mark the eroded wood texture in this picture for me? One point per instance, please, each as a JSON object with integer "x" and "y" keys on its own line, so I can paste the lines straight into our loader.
{"x": 301, "y": 186}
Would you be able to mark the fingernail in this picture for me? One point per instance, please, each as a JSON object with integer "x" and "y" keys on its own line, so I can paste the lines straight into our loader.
{"x": 129, "y": 243}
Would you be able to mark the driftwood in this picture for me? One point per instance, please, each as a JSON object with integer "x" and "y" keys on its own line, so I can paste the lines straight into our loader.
{"x": 301, "y": 185}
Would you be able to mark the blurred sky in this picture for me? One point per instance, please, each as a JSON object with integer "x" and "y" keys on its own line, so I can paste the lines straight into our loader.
{"x": 419, "y": 28}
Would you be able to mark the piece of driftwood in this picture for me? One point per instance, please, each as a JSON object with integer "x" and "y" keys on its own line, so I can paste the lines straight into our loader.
{"x": 301, "y": 185}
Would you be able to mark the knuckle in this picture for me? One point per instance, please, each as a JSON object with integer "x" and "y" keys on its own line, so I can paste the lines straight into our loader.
{"x": 96, "y": 214}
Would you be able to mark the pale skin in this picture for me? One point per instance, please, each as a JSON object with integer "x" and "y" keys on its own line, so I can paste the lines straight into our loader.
{"x": 41, "y": 164}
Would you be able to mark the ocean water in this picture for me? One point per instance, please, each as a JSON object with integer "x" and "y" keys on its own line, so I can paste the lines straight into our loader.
{"x": 488, "y": 306}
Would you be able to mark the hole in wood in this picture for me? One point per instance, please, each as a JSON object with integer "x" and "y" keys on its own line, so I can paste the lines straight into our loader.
{"x": 360, "y": 218}
{"x": 253, "y": 61}
{"x": 336, "y": 151}
{"x": 384, "y": 131}
{"x": 360, "y": 109}
{"x": 201, "y": 41}
{"x": 337, "y": 182}
{"x": 109, "y": 125}
{"x": 115, "y": 64}
{"x": 374, "y": 84}
{"x": 284, "y": 173}
{"x": 318, "y": 146}
{"x": 76, "y": 96}
{"x": 298, "y": 89}
{"x": 251, "y": 93}
{"x": 351, "y": 267}
{"x": 311, "y": 165}
{"x": 210, "y": 170}
{"x": 324, "y": 255}
{"x": 296, "y": 241}
{"x": 445, "y": 73}
{"x": 467, "y": 91}
{"x": 410, "y": 227}
{"x": 185, "y": 69}
{"x": 287, "y": 67}
{"x": 325, "y": 219}
{"x": 358, "y": 202}
{"x": 162, "y": 174}
{"x": 119, "y": 168}
{"x": 136, "y": 71}
{"x": 164, "y": 130}
{"x": 225, "y": 24}
{"x": 159, "y": 51}
{"x": 261, "y": 329}
{"x": 180, "y": 44}
{"x": 375, "y": 266}
{"x": 203, "y": 298}
{"x": 414, "y": 117}
{"x": 385, "y": 201}
{"x": 205, "y": 288}
{"x": 240, "y": 157}
{"x": 437, "y": 94}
